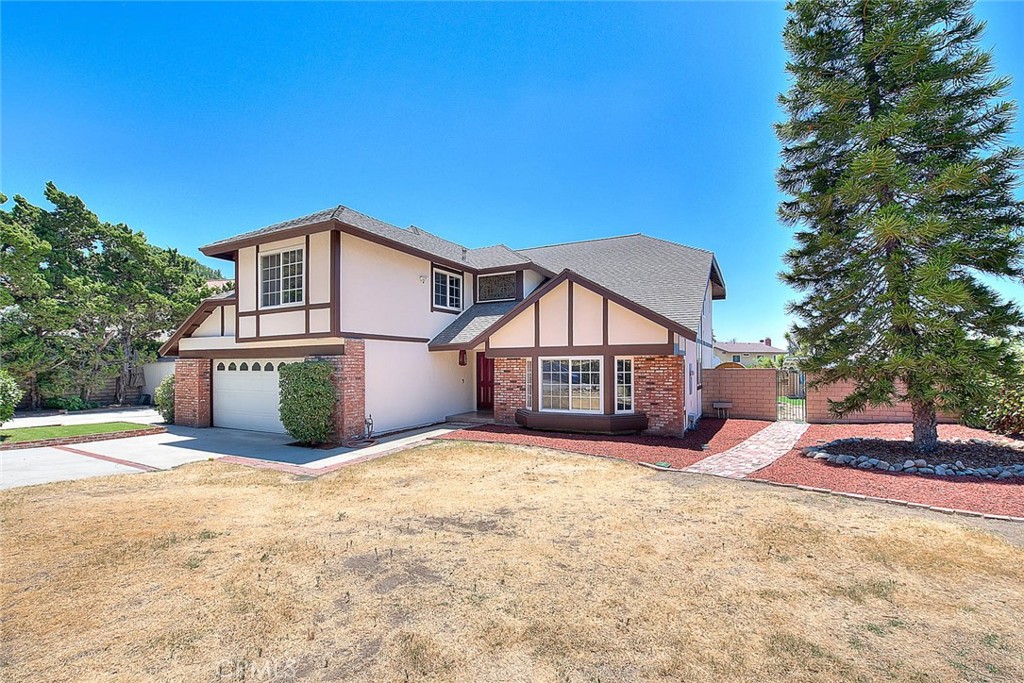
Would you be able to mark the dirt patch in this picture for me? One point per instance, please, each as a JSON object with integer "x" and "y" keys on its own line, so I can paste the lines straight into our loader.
{"x": 976, "y": 453}
{"x": 609, "y": 572}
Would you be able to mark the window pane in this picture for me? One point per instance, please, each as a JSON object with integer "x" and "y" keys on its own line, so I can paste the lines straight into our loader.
{"x": 454, "y": 292}
{"x": 623, "y": 384}
{"x": 440, "y": 289}
{"x": 586, "y": 385}
{"x": 555, "y": 384}
{"x": 529, "y": 385}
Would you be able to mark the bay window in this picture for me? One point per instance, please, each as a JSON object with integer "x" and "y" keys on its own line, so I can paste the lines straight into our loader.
{"x": 571, "y": 384}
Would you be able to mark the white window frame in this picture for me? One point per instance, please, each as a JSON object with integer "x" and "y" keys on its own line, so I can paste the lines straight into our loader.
{"x": 735, "y": 358}
{"x": 485, "y": 275}
{"x": 280, "y": 291}
{"x": 451, "y": 275}
{"x": 529, "y": 384}
{"x": 570, "y": 409}
{"x": 632, "y": 386}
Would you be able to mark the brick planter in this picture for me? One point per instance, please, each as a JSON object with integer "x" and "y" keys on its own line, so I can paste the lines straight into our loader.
{"x": 84, "y": 438}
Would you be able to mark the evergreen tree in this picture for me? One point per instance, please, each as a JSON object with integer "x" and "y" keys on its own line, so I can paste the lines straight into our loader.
{"x": 901, "y": 187}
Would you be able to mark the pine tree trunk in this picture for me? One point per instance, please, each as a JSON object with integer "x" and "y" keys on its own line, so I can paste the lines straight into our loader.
{"x": 926, "y": 426}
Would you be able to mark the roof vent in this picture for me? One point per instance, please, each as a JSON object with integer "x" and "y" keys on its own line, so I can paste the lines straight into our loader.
{"x": 414, "y": 230}
{"x": 463, "y": 253}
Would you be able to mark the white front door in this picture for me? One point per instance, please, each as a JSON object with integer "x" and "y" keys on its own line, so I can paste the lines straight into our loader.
{"x": 246, "y": 394}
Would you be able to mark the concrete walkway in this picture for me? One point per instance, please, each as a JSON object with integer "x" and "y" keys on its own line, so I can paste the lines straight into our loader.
{"x": 760, "y": 450}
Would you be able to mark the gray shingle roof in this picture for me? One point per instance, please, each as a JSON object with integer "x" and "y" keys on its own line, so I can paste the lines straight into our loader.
{"x": 747, "y": 347}
{"x": 476, "y": 319}
{"x": 496, "y": 256}
{"x": 662, "y": 276}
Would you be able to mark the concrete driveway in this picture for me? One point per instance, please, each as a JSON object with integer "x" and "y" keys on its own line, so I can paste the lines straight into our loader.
{"x": 182, "y": 445}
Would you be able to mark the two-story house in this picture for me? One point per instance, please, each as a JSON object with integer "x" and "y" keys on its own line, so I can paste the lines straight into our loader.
{"x": 607, "y": 335}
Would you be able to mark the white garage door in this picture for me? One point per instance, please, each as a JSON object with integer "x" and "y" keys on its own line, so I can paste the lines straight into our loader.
{"x": 245, "y": 394}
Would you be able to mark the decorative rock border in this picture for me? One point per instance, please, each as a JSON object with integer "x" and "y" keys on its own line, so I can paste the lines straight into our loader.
{"x": 83, "y": 438}
{"x": 828, "y": 452}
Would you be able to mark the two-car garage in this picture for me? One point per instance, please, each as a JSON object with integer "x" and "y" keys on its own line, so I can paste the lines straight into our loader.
{"x": 246, "y": 393}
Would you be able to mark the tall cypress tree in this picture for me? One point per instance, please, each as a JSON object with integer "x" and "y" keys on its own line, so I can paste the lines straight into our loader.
{"x": 901, "y": 186}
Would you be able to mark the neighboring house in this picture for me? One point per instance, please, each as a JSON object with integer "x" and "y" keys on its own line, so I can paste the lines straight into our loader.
{"x": 746, "y": 353}
{"x": 604, "y": 335}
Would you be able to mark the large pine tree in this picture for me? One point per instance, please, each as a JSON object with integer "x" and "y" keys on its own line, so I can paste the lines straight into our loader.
{"x": 902, "y": 198}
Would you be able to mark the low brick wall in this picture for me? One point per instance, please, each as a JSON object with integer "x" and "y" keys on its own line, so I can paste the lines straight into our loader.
{"x": 509, "y": 388}
{"x": 817, "y": 408}
{"x": 84, "y": 438}
{"x": 750, "y": 390}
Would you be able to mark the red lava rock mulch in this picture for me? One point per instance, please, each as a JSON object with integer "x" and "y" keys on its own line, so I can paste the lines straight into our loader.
{"x": 720, "y": 435}
{"x": 961, "y": 493}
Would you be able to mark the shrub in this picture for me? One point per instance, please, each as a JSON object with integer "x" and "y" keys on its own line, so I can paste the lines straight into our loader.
{"x": 307, "y": 401}
{"x": 69, "y": 403}
{"x": 164, "y": 398}
{"x": 1005, "y": 415}
{"x": 10, "y": 394}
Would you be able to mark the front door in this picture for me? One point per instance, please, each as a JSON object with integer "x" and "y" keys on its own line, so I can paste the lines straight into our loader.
{"x": 484, "y": 382}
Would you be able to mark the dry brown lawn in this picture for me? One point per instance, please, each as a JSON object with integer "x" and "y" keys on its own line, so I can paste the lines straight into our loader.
{"x": 474, "y": 562}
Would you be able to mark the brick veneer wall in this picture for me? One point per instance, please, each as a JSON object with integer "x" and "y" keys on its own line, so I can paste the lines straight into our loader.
{"x": 349, "y": 379}
{"x": 658, "y": 391}
{"x": 817, "y": 407}
{"x": 751, "y": 391}
{"x": 193, "y": 384}
{"x": 509, "y": 388}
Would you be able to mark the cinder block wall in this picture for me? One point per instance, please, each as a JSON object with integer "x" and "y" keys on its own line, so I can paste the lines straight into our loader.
{"x": 509, "y": 388}
{"x": 751, "y": 391}
{"x": 817, "y": 407}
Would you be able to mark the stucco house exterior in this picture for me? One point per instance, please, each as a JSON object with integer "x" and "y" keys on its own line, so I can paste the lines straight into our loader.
{"x": 607, "y": 335}
{"x": 746, "y": 353}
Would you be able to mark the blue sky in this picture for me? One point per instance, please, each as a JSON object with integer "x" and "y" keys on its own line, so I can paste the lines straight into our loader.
{"x": 518, "y": 123}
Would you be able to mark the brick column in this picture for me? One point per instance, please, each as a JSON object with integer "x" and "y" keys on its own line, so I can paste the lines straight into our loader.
{"x": 193, "y": 392}
{"x": 349, "y": 379}
{"x": 509, "y": 388}
{"x": 658, "y": 391}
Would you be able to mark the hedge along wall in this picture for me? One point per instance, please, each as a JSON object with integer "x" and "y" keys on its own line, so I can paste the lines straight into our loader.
{"x": 750, "y": 390}
{"x": 817, "y": 407}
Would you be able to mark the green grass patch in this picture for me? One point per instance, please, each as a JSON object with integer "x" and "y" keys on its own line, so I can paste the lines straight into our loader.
{"x": 57, "y": 431}
{"x": 792, "y": 401}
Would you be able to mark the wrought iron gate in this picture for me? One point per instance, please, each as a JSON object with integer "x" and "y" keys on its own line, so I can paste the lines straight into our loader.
{"x": 791, "y": 395}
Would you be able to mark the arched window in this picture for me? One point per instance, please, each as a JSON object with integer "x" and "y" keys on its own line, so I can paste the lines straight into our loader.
{"x": 220, "y": 366}
{"x": 256, "y": 367}
{"x": 281, "y": 365}
{"x": 243, "y": 366}
{"x": 232, "y": 367}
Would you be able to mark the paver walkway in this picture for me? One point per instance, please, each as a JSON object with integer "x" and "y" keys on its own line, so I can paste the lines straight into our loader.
{"x": 760, "y": 450}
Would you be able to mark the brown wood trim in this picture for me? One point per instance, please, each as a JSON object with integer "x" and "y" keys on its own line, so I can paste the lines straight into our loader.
{"x": 285, "y": 309}
{"x": 287, "y": 337}
{"x": 568, "y": 316}
{"x": 571, "y": 351}
{"x": 335, "y": 297}
{"x": 194, "y": 320}
{"x": 225, "y": 250}
{"x": 305, "y": 284}
{"x": 536, "y": 324}
{"x": 387, "y": 337}
{"x": 520, "y": 284}
{"x": 567, "y": 274}
{"x": 609, "y": 377}
{"x": 450, "y": 271}
{"x": 270, "y": 352}
{"x": 604, "y": 320}
{"x": 259, "y": 292}
{"x": 624, "y": 423}
{"x": 222, "y": 321}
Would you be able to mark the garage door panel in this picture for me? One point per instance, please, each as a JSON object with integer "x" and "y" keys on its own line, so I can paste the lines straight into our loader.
{"x": 247, "y": 399}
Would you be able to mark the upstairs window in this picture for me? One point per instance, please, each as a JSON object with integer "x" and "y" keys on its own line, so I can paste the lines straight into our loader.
{"x": 447, "y": 290}
{"x": 281, "y": 278}
{"x": 500, "y": 287}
